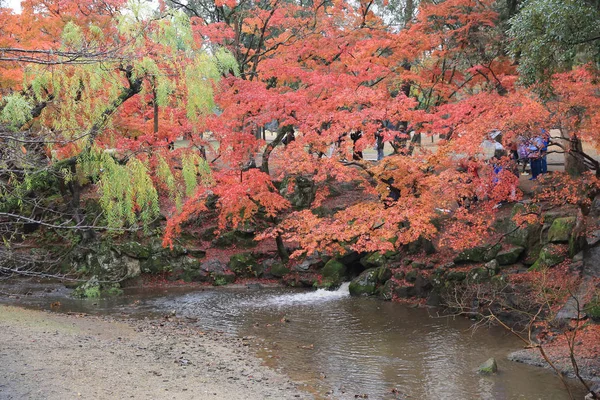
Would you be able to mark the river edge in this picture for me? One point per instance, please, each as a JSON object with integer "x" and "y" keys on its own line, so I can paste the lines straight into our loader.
{"x": 47, "y": 355}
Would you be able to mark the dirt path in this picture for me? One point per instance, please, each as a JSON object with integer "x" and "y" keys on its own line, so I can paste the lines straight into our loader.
{"x": 53, "y": 356}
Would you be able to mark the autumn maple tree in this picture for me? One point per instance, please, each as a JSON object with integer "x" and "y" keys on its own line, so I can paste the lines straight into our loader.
{"x": 163, "y": 110}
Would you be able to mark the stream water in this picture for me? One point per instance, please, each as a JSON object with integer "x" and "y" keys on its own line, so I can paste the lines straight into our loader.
{"x": 339, "y": 345}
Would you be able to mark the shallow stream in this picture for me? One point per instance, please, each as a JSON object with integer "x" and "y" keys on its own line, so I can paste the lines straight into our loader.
{"x": 338, "y": 345}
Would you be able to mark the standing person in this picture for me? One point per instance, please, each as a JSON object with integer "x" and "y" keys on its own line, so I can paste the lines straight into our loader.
{"x": 379, "y": 145}
{"x": 523, "y": 154}
{"x": 535, "y": 159}
{"x": 544, "y": 142}
{"x": 514, "y": 151}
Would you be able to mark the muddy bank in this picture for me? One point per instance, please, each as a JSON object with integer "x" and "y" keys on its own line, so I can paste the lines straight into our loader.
{"x": 56, "y": 356}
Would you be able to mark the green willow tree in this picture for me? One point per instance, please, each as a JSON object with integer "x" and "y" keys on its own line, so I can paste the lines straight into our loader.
{"x": 65, "y": 126}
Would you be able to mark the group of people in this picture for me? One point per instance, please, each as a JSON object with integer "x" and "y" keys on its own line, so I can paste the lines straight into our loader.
{"x": 498, "y": 176}
{"x": 533, "y": 151}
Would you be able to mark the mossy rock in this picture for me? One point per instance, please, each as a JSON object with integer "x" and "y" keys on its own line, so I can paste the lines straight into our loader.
{"x": 577, "y": 243}
{"x": 235, "y": 238}
{"x": 245, "y": 264}
{"x": 134, "y": 250}
{"x": 189, "y": 270}
{"x": 279, "y": 270}
{"x": 478, "y": 275}
{"x": 550, "y": 255}
{"x": 411, "y": 276}
{"x": 456, "y": 276}
{"x": 399, "y": 275}
{"x": 489, "y": 367}
{"x": 561, "y": 230}
{"x": 383, "y": 274}
{"x": 551, "y": 216}
{"x": 420, "y": 245}
{"x": 333, "y": 271}
{"x": 592, "y": 309}
{"x": 373, "y": 260}
{"x": 477, "y": 254}
{"x": 532, "y": 254}
{"x": 93, "y": 289}
{"x": 386, "y": 292}
{"x": 527, "y": 235}
{"x": 510, "y": 255}
{"x": 418, "y": 265}
{"x": 108, "y": 265}
{"x": 493, "y": 267}
{"x": 156, "y": 264}
{"x": 222, "y": 278}
{"x": 365, "y": 284}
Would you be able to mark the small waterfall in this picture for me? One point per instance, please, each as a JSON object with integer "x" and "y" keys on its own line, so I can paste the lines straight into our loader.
{"x": 318, "y": 296}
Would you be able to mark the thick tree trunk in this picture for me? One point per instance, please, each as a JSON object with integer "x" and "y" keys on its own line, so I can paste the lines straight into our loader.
{"x": 281, "y": 250}
{"x": 283, "y": 131}
{"x": 574, "y": 164}
{"x": 409, "y": 10}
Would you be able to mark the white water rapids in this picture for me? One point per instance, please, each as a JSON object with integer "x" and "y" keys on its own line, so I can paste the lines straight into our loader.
{"x": 304, "y": 298}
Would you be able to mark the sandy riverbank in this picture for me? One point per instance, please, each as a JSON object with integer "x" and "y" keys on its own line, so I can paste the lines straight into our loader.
{"x": 56, "y": 356}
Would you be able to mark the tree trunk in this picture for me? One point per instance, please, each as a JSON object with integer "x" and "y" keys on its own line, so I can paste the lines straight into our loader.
{"x": 284, "y": 130}
{"x": 574, "y": 164}
{"x": 409, "y": 10}
{"x": 281, "y": 250}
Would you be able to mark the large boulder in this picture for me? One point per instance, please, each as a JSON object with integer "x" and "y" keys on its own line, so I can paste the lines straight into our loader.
{"x": 373, "y": 260}
{"x": 217, "y": 272}
{"x": 365, "y": 284}
{"x": 480, "y": 274}
{"x": 524, "y": 235}
{"x": 93, "y": 289}
{"x": 509, "y": 256}
{"x": 550, "y": 255}
{"x": 276, "y": 268}
{"x": 187, "y": 269}
{"x": 311, "y": 262}
{"x": 245, "y": 264}
{"x": 383, "y": 274}
{"x": 333, "y": 272}
{"x": 369, "y": 280}
{"x": 238, "y": 238}
{"x": 386, "y": 292}
{"x": 108, "y": 265}
{"x": 134, "y": 250}
{"x": 477, "y": 254}
{"x": 561, "y": 229}
{"x": 456, "y": 276}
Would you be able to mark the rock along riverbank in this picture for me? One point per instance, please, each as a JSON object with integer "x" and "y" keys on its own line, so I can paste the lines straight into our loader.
{"x": 57, "y": 356}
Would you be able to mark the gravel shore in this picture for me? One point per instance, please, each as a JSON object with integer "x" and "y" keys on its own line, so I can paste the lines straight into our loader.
{"x": 46, "y": 355}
